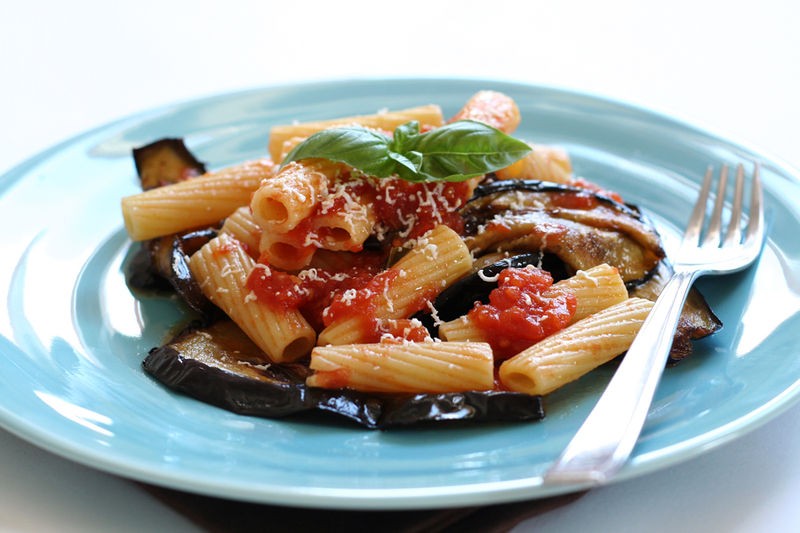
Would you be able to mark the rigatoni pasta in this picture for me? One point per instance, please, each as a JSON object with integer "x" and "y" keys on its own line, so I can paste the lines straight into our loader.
{"x": 404, "y": 367}
{"x": 546, "y": 163}
{"x": 282, "y": 201}
{"x": 241, "y": 226}
{"x": 572, "y": 352}
{"x": 192, "y": 203}
{"x": 222, "y": 268}
{"x": 438, "y": 259}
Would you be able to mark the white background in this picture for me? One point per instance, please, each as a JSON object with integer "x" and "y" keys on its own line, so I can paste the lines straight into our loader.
{"x": 730, "y": 67}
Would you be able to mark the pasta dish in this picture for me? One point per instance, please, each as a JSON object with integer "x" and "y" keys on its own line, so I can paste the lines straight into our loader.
{"x": 373, "y": 264}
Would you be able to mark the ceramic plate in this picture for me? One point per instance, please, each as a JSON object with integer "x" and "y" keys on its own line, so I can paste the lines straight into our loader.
{"x": 73, "y": 337}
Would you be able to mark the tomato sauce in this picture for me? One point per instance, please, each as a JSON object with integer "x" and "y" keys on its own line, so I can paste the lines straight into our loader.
{"x": 519, "y": 314}
{"x": 312, "y": 290}
{"x": 415, "y": 208}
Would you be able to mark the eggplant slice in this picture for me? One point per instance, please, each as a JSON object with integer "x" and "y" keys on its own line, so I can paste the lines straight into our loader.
{"x": 221, "y": 366}
{"x": 164, "y": 262}
{"x": 164, "y": 162}
{"x": 582, "y": 229}
{"x": 532, "y": 216}
{"x": 697, "y": 319}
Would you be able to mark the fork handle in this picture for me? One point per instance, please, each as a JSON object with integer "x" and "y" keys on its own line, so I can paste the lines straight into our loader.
{"x": 605, "y": 440}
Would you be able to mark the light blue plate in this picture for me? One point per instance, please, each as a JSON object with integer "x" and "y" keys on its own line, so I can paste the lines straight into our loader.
{"x": 73, "y": 337}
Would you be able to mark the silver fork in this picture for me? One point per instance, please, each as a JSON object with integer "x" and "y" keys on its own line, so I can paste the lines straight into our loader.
{"x": 604, "y": 442}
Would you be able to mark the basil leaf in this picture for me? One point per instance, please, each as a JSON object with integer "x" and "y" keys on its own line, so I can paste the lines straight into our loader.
{"x": 466, "y": 149}
{"x": 406, "y": 162}
{"x": 454, "y": 152}
{"x": 360, "y": 148}
{"x": 405, "y": 135}
{"x": 407, "y": 166}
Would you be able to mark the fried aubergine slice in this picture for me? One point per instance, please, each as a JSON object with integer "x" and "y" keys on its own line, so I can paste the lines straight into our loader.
{"x": 582, "y": 228}
{"x": 163, "y": 263}
{"x": 219, "y": 365}
{"x": 697, "y": 320}
{"x": 164, "y": 162}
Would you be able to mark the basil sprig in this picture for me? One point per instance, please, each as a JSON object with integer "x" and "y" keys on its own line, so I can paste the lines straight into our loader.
{"x": 455, "y": 152}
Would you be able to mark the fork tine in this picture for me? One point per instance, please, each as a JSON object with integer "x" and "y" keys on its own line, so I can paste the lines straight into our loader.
{"x": 712, "y": 238}
{"x": 734, "y": 232}
{"x": 756, "y": 223}
{"x": 695, "y": 225}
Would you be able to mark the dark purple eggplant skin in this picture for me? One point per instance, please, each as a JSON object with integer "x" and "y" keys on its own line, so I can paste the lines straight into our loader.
{"x": 163, "y": 263}
{"x": 198, "y": 363}
{"x": 518, "y": 215}
{"x": 164, "y": 162}
{"x": 697, "y": 319}
{"x": 493, "y": 186}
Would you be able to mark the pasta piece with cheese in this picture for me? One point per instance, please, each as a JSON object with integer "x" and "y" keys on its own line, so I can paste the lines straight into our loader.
{"x": 285, "y": 199}
{"x": 345, "y": 221}
{"x": 545, "y": 163}
{"x": 333, "y": 261}
{"x": 222, "y": 267}
{"x": 427, "y": 115}
{"x": 194, "y": 202}
{"x": 493, "y": 108}
{"x": 241, "y": 226}
{"x": 461, "y": 329}
{"x": 286, "y": 250}
{"x": 439, "y": 258}
{"x": 431, "y": 367}
{"x": 594, "y": 289}
{"x": 577, "y": 349}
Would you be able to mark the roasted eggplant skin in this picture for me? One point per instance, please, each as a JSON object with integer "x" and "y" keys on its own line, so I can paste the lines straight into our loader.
{"x": 164, "y": 162}
{"x": 697, "y": 320}
{"x": 219, "y": 365}
{"x": 163, "y": 263}
{"x": 582, "y": 228}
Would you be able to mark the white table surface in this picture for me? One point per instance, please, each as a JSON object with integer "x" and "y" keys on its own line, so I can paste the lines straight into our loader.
{"x": 730, "y": 67}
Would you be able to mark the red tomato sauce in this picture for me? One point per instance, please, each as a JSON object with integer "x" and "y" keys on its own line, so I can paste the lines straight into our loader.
{"x": 414, "y": 208}
{"x": 311, "y": 290}
{"x": 518, "y": 314}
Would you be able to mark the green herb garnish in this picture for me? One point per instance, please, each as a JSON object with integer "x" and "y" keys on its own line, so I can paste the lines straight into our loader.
{"x": 455, "y": 152}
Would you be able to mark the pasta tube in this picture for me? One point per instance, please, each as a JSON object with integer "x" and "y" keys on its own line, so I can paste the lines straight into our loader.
{"x": 194, "y": 202}
{"x": 493, "y": 108}
{"x": 284, "y": 200}
{"x": 427, "y": 115}
{"x": 440, "y": 258}
{"x": 345, "y": 227}
{"x": 546, "y": 163}
{"x": 404, "y": 367}
{"x": 222, "y": 267}
{"x": 241, "y": 226}
{"x": 575, "y": 350}
{"x": 285, "y": 252}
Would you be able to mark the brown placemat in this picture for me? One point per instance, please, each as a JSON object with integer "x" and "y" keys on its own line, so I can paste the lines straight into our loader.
{"x": 218, "y": 515}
